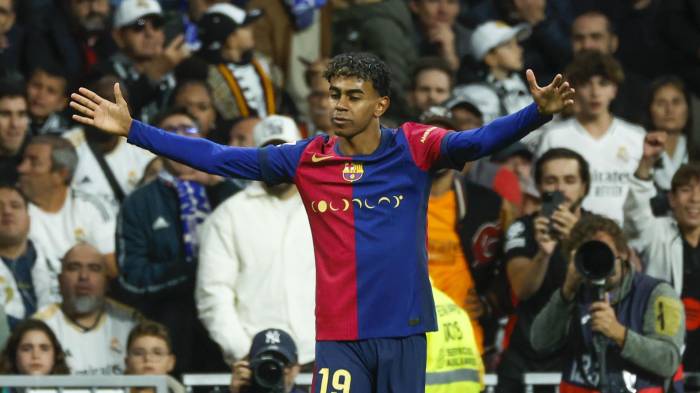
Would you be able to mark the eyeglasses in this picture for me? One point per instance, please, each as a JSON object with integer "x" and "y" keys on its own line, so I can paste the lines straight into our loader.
{"x": 142, "y": 353}
{"x": 183, "y": 130}
{"x": 140, "y": 24}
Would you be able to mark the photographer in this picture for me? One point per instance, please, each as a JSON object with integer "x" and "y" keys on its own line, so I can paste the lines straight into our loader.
{"x": 534, "y": 264}
{"x": 631, "y": 326}
{"x": 271, "y": 365}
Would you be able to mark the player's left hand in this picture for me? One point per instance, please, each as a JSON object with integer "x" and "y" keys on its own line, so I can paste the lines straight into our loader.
{"x": 552, "y": 98}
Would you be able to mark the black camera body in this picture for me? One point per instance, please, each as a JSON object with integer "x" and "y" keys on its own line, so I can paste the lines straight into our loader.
{"x": 267, "y": 370}
{"x": 596, "y": 262}
{"x": 550, "y": 204}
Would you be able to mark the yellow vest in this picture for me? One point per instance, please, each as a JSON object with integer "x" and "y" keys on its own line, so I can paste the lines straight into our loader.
{"x": 454, "y": 364}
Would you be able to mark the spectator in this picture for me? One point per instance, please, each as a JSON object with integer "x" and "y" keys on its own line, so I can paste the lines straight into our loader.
{"x": 149, "y": 352}
{"x": 593, "y": 30}
{"x": 158, "y": 249}
{"x": 318, "y": 100}
{"x": 255, "y": 260}
{"x": 641, "y": 317}
{"x": 33, "y": 349}
{"x": 241, "y": 133}
{"x": 495, "y": 44}
{"x": 242, "y": 83}
{"x": 12, "y": 41}
{"x": 14, "y": 130}
{"x": 464, "y": 114}
{"x": 535, "y": 265}
{"x": 278, "y": 344}
{"x": 108, "y": 167}
{"x": 47, "y": 97}
{"x": 28, "y": 279}
{"x": 60, "y": 215}
{"x": 195, "y": 96}
{"x": 464, "y": 244}
{"x": 431, "y": 84}
{"x": 439, "y": 33}
{"x": 144, "y": 62}
{"x": 483, "y": 97}
{"x": 453, "y": 363}
{"x": 611, "y": 145}
{"x": 73, "y": 33}
{"x": 383, "y": 28}
{"x": 668, "y": 110}
{"x": 92, "y": 327}
{"x": 669, "y": 244}
{"x": 547, "y": 49}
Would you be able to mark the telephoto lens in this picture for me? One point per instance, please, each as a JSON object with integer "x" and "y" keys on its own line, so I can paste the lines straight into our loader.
{"x": 595, "y": 261}
{"x": 268, "y": 373}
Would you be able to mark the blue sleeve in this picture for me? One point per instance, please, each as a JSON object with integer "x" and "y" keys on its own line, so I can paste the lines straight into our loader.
{"x": 199, "y": 153}
{"x": 458, "y": 148}
{"x": 278, "y": 164}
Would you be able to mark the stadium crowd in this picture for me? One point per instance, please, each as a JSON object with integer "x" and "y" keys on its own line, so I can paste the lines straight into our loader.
{"x": 117, "y": 261}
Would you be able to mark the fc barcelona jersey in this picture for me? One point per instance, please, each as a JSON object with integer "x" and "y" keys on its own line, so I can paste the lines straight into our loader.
{"x": 367, "y": 212}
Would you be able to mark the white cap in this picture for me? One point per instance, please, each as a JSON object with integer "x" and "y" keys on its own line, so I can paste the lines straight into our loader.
{"x": 236, "y": 14}
{"x": 275, "y": 128}
{"x": 481, "y": 96}
{"x": 491, "y": 34}
{"x": 129, "y": 11}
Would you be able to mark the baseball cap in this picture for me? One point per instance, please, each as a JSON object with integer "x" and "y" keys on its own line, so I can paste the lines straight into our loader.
{"x": 514, "y": 149}
{"x": 222, "y": 19}
{"x": 129, "y": 11}
{"x": 463, "y": 102}
{"x": 276, "y": 340}
{"x": 491, "y": 34}
{"x": 482, "y": 96}
{"x": 275, "y": 128}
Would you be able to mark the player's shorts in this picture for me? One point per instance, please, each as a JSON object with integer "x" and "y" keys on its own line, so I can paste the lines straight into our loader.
{"x": 377, "y": 365}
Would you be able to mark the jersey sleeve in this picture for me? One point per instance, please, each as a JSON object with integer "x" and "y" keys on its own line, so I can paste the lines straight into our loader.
{"x": 520, "y": 240}
{"x": 199, "y": 153}
{"x": 424, "y": 142}
{"x": 278, "y": 164}
{"x": 460, "y": 147}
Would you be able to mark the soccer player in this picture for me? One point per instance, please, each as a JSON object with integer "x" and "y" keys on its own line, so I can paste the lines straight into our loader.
{"x": 365, "y": 191}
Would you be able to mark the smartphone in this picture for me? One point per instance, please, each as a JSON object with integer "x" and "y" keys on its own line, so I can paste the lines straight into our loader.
{"x": 550, "y": 202}
{"x": 191, "y": 36}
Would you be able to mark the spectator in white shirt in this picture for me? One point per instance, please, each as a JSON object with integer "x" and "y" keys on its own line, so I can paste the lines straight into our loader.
{"x": 612, "y": 146}
{"x": 62, "y": 216}
{"x": 92, "y": 329}
{"x": 256, "y": 260}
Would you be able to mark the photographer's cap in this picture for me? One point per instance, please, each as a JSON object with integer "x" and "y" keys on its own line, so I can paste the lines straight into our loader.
{"x": 275, "y": 340}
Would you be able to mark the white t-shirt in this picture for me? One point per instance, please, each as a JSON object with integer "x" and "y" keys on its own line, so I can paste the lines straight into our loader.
{"x": 100, "y": 350}
{"x": 83, "y": 218}
{"x": 126, "y": 161}
{"x": 612, "y": 160}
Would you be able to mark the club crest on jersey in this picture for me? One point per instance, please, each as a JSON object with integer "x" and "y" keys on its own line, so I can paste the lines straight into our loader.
{"x": 353, "y": 171}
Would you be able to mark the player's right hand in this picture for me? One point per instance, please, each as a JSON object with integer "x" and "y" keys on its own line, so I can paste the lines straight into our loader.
{"x": 112, "y": 117}
{"x": 240, "y": 376}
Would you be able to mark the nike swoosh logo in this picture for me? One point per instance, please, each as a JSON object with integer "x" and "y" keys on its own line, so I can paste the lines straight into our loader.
{"x": 315, "y": 158}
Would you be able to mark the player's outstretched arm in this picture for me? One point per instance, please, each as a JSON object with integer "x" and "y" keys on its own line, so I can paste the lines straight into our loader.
{"x": 461, "y": 147}
{"x": 199, "y": 153}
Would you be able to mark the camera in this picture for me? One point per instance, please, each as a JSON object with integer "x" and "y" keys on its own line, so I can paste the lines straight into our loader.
{"x": 596, "y": 262}
{"x": 267, "y": 373}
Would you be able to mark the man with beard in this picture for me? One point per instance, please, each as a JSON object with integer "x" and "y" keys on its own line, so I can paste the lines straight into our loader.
{"x": 255, "y": 261}
{"x": 144, "y": 61}
{"x": 108, "y": 167}
{"x": 242, "y": 83}
{"x": 91, "y": 328}
{"x": 74, "y": 33}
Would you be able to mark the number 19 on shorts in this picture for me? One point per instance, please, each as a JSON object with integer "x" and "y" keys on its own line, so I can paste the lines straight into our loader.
{"x": 339, "y": 380}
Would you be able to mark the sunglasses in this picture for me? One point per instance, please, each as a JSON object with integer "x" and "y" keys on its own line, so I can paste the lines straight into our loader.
{"x": 140, "y": 24}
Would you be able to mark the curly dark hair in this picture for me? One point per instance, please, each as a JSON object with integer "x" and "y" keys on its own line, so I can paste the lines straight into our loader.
{"x": 8, "y": 357}
{"x": 590, "y": 63}
{"x": 587, "y": 227}
{"x": 365, "y": 66}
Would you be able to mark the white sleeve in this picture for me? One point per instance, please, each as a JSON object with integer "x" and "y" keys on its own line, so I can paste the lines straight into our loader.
{"x": 639, "y": 218}
{"x": 215, "y": 291}
{"x": 102, "y": 224}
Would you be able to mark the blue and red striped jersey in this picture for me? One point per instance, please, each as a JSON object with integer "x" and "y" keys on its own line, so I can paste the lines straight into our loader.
{"x": 367, "y": 213}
